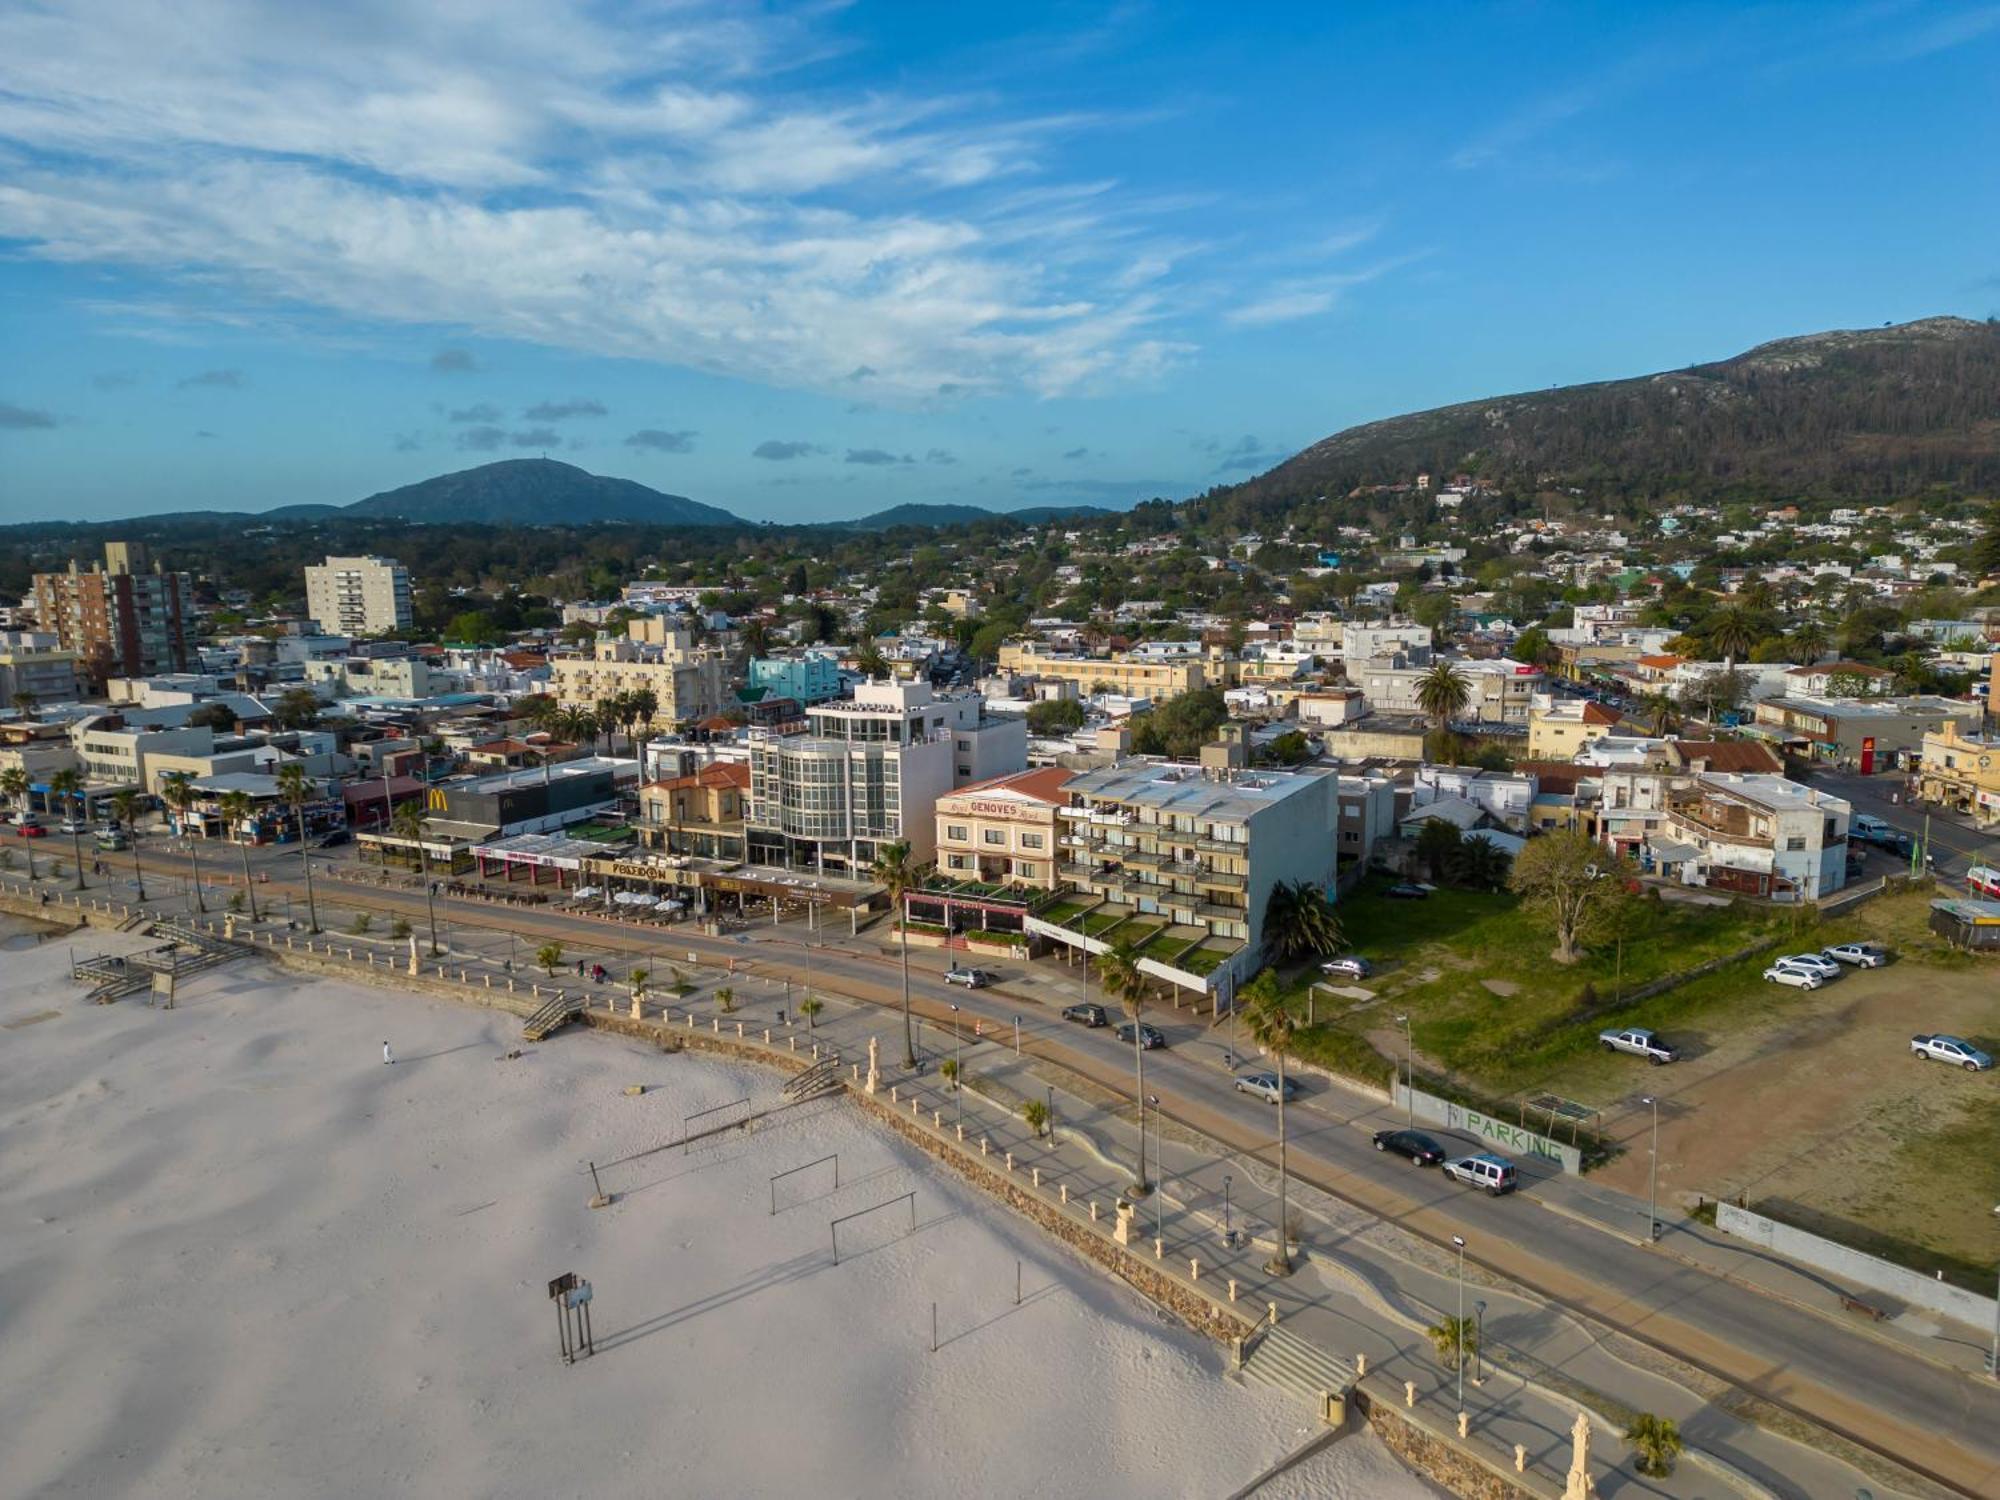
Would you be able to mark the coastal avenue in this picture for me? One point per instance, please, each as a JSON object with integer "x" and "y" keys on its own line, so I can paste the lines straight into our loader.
{"x": 1941, "y": 1422}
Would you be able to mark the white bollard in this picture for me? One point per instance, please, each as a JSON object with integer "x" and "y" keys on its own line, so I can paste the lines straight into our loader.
{"x": 1464, "y": 1426}
{"x": 1194, "y": 1269}
{"x": 1232, "y": 1289}
{"x": 1036, "y": 1173}
{"x": 1274, "y": 1313}
{"x": 1159, "y": 1249}
{"x": 1520, "y": 1459}
{"x": 1010, "y": 1161}
{"x": 1360, "y": 1365}
{"x": 1063, "y": 1189}
{"x": 1409, "y": 1393}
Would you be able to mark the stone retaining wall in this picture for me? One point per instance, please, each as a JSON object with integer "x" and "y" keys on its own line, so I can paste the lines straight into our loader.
{"x": 1465, "y": 1472}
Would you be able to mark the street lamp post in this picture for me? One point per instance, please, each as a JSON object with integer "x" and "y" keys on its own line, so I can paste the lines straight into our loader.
{"x": 957, "y": 1071}
{"x": 1228, "y": 1234}
{"x": 1409, "y": 1072}
{"x": 1159, "y": 1166}
{"x": 1052, "y": 1114}
{"x": 1479, "y": 1343}
{"x": 1653, "y": 1176}
{"x": 1459, "y": 1240}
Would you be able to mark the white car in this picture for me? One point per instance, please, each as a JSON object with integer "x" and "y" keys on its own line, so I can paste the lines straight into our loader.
{"x": 1798, "y": 979}
{"x": 1812, "y": 963}
{"x": 75, "y": 825}
{"x": 1950, "y": 1049}
{"x": 1861, "y": 955}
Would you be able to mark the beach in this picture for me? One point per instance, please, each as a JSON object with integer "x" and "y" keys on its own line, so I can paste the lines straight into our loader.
{"x": 240, "y": 1254}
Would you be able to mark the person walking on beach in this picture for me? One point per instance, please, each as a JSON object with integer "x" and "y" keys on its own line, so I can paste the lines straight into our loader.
{"x": 387, "y": 1055}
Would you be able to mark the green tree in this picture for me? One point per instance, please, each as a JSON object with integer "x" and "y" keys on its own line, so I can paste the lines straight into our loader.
{"x": 409, "y": 823}
{"x": 1055, "y": 716}
{"x": 1291, "y": 748}
{"x": 810, "y": 1007}
{"x": 1658, "y": 708}
{"x": 1453, "y": 1341}
{"x": 1299, "y": 922}
{"x": 1119, "y": 973}
{"x": 1180, "y": 726}
{"x": 1657, "y": 1441}
{"x": 236, "y": 809}
{"x": 1274, "y": 1028}
{"x": 297, "y": 708}
{"x": 126, "y": 805}
{"x": 898, "y": 876}
{"x": 1732, "y": 631}
{"x": 1568, "y": 878}
{"x": 177, "y": 791}
{"x": 295, "y": 790}
{"x": 1437, "y": 845}
{"x": 550, "y": 957}
{"x": 1478, "y": 863}
{"x": 67, "y": 785}
{"x": 1443, "y": 692}
{"x": 1808, "y": 641}
{"x": 1035, "y": 1115}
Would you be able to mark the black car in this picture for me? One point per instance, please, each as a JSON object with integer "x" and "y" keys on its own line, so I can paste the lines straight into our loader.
{"x": 1086, "y": 1015}
{"x": 330, "y": 838}
{"x": 1406, "y": 890}
{"x": 1149, "y": 1036}
{"x": 1414, "y": 1144}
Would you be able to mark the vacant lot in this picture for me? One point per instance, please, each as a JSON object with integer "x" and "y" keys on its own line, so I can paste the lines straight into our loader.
{"x": 1805, "y": 1103}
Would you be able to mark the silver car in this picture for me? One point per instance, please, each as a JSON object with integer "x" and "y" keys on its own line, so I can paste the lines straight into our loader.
{"x": 1266, "y": 1087}
{"x": 1861, "y": 955}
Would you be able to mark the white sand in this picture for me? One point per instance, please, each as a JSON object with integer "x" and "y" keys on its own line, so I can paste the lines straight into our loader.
{"x": 240, "y": 1256}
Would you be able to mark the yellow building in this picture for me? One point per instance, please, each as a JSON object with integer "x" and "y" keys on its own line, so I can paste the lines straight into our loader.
{"x": 1002, "y": 831}
{"x": 1133, "y": 675}
{"x": 1557, "y": 730}
{"x": 688, "y": 680}
{"x": 1961, "y": 771}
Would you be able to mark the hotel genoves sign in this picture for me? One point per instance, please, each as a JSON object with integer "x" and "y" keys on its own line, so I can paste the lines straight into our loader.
{"x": 1504, "y": 1136}
{"x": 985, "y": 807}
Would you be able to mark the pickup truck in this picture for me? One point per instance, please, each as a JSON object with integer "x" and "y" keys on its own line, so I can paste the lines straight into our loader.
{"x": 1640, "y": 1042}
{"x": 1950, "y": 1049}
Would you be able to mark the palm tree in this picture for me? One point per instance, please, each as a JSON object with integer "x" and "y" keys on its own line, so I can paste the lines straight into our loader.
{"x": 409, "y": 824}
{"x": 1658, "y": 707}
{"x": 645, "y": 704}
{"x": 1443, "y": 692}
{"x": 1478, "y": 862}
{"x": 1809, "y": 641}
{"x": 14, "y": 782}
{"x": 1732, "y": 632}
{"x": 1913, "y": 673}
{"x": 236, "y": 808}
{"x": 1658, "y": 1441}
{"x": 810, "y": 1009}
{"x": 1035, "y": 1114}
{"x": 1454, "y": 1340}
{"x": 1273, "y": 1027}
{"x": 68, "y": 785}
{"x": 578, "y": 725}
{"x": 898, "y": 877}
{"x": 549, "y": 955}
{"x": 295, "y": 790}
{"x": 177, "y": 791}
{"x": 609, "y": 713}
{"x": 126, "y": 805}
{"x": 1118, "y": 971}
{"x": 1299, "y": 921}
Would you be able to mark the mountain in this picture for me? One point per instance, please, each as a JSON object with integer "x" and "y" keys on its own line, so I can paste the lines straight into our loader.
{"x": 1869, "y": 413}
{"x": 536, "y": 492}
{"x": 960, "y": 515}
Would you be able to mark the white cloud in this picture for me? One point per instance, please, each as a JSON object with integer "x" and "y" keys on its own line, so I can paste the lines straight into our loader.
{"x": 615, "y": 183}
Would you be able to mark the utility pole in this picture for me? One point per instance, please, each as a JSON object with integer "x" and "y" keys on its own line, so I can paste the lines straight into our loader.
{"x": 1653, "y": 1177}
{"x": 1459, "y": 1240}
{"x": 1410, "y": 1073}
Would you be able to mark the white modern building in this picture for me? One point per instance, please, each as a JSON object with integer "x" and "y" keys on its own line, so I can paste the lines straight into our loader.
{"x": 1760, "y": 835}
{"x": 868, "y": 772}
{"x": 359, "y": 595}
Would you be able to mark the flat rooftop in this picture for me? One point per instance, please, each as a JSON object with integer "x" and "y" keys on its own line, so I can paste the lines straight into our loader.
{"x": 1189, "y": 791}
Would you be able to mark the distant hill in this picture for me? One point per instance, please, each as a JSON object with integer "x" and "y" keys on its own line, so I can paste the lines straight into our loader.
{"x": 535, "y": 492}
{"x": 1857, "y": 414}
{"x": 959, "y": 515}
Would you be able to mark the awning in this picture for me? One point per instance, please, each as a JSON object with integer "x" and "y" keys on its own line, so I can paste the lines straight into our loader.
{"x": 1668, "y": 852}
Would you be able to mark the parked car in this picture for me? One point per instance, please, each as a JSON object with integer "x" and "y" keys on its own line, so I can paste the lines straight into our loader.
{"x": 331, "y": 838}
{"x": 1414, "y": 1144}
{"x": 1149, "y": 1036}
{"x": 1408, "y": 890}
{"x": 1265, "y": 1086}
{"x": 1861, "y": 955}
{"x": 112, "y": 840}
{"x": 1352, "y": 966}
{"x": 1483, "y": 1170}
{"x": 1086, "y": 1015}
{"x": 1950, "y": 1049}
{"x": 972, "y": 979}
{"x": 30, "y": 827}
{"x": 75, "y": 825}
{"x": 1640, "y": 1042}
{"x": 1817, "y": 963}
{"x": 1798, "y": 979}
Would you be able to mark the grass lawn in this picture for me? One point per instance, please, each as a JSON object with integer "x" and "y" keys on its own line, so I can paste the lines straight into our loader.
{"x": 1488, "y": 1004}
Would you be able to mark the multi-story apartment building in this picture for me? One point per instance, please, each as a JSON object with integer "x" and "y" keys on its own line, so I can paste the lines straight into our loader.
{"x": 359, "y": 595}
{"x": 689, "y": 681}
{"x": 1502, "y": 690}
{"x": 34, "y": 665}
{"x": 122, "y": 618}
{"x": 699, "y": 814}
{"x": 1002, "y": 831}
{"x": 1131, "y": 675}
{"x": 812, "y": 677}
{"x": 113, "y": 753}
{"x": 869, "y": 772}
{"x": 1200, "y": 846}
{"x": 1760, "y": 835}
{"x": 1961, "y": 772}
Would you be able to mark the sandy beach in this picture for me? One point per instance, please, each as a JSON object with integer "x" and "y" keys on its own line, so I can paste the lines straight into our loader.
{"x": 239, "y": 1255}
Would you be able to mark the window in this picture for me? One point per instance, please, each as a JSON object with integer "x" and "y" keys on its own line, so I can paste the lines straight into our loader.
{"x": 958, "y": 862}
{"x": 955, "y": 831}
{"x": 1795, "y": 844}
{"x": 1031, "y": 841}
{"x": 994, "y": 835}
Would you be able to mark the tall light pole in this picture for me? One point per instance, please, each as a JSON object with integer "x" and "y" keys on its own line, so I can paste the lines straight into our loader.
{"x": 1653, "y": 1176}
{"x": 1159, "y": 1166}
{"x": 1228, "y": 1234}
{"x": 1479, "y": 1343}
{"x": 1459, "y": 1240}
{"x": 1409, "y": 1072}
{"x": 957, "y": 1070}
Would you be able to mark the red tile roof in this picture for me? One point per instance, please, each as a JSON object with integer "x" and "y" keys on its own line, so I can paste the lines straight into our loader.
{"x": 1044, "y": 785}
{"x": 714, "y": 774}
{"x": 1745, "y": 756}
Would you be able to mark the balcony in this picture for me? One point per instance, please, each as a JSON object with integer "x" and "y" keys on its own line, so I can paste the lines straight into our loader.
{"x": 1222, "y": 880}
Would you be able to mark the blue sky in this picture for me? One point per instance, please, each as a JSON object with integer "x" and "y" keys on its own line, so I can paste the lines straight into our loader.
{"x": 806, "y": 262}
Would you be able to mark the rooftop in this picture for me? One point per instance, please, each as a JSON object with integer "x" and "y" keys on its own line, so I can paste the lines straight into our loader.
{"x": 1190, "y": 790}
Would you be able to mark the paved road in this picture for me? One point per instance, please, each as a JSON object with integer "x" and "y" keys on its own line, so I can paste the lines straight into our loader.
{"x": 1942, "y": 1422}
{"x": 1955, "y": 843}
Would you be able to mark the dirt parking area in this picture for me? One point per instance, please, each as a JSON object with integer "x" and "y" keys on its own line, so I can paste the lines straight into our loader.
{"x": 1819, "y": 1111}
